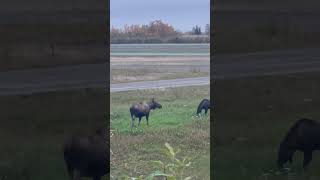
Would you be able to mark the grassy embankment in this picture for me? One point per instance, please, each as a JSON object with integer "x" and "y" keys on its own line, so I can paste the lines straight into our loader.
{"x": 175, "y": 123}
{"x": 249, "y": 26}
{"x": 252, "y": 116}
{"x": 33, "y": 129}
{"x": 25, "y": 46}
{"x": 158, "y": 68}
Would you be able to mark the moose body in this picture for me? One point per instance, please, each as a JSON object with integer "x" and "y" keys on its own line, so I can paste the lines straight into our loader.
{"x": 303, "y": 136}
{"x": 87, "y": 156}
{"x": 204, "y": 105}
{"x": 141, "y": 109}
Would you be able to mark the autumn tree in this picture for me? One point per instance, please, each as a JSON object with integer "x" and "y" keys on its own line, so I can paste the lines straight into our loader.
{"x": 156, "y": 28}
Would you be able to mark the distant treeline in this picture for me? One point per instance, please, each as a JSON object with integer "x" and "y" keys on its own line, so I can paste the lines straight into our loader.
{"x": 157, "y": 32}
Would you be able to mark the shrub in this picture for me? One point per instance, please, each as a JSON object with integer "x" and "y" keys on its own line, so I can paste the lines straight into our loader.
{"x": 174, "y": 170}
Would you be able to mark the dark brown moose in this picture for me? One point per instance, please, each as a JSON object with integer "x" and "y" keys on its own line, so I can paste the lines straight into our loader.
{"x": 87, "y": 156}
{"x": 143, "y": 109}
{"x": 203, "y": 105}
{"x": 303, "y": 136}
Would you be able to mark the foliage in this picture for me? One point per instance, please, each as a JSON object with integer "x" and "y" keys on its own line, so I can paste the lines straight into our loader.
{"x": 156, "y": 31}
{"x": 207, "y": 29}
{"x": 196, "y": 30}
{"x": 155, "y": 28}
{"x": 174, "y": 170}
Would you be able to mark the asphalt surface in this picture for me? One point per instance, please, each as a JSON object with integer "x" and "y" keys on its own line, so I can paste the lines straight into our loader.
{"x": 53, "y": 79}
{"x": 95, "y": 75}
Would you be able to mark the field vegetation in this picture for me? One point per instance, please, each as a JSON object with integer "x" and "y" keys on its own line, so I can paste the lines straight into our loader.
{"x": 250, "y": 26}
{"x": 157, "y": 32}
{"x": 34, "y": 128}
{"x": 25, "y": 46}
{"x": 252, "y": 116}
{"x": 158, "y": 68}
{"x": 134, "y": 150}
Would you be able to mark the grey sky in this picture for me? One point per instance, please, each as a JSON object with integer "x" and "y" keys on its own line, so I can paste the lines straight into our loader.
{"x": 182, "y": 14}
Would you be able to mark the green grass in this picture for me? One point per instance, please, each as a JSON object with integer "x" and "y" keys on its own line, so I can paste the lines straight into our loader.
{"x": 252, "y": 116}
{"x": 175, "y": 123}
{"x": 178, "y": 107}
{"x": 34, "y": 127}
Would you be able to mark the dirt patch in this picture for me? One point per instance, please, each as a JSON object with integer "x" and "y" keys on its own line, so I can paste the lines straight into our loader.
{"x": 124, "y": 78}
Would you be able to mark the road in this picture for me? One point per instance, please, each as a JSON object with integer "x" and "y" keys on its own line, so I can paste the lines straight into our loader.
{"x": 95, "y": 75}
{"x": 53, "y": 79}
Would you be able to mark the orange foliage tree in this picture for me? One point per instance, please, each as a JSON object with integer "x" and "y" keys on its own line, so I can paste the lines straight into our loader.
{"x": 155, "y": 28}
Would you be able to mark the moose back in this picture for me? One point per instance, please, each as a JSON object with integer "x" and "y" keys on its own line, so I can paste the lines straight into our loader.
{"x": 141, "y": 109}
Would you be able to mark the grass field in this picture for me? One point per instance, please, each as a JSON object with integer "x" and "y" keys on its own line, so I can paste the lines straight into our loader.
{"x": 40, "y": 45}
{"x": 249, "y": 26}
{"x": 158, "y": 67}
{"x": 121, "y": 76}
{"x": 33, "y": 129}
{"x": 176, "y": 123}
{"x": 252, "y": 116}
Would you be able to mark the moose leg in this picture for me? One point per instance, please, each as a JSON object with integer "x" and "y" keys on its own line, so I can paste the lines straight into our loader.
{"x": 76, "y": 175}
{"x": 139, "y": 121}
{"x": 205, "y": 110}
{"x": 70, "y": 171}
{"x": 147, "y": 117}
{"x": 132, "y": 120}
{"x": 307, "y": 158}
{"x": 291, "y": 156}
{"x": 97, "y": 178}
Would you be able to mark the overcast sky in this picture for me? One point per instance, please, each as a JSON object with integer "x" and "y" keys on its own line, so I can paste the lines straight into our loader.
{"x": 182, "y": 14}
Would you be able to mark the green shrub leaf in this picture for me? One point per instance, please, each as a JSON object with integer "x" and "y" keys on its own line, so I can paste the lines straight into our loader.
{"x": 170, "y": 149}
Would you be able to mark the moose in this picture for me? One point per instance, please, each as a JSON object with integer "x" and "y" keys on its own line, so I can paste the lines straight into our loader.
{"x": 87, "y": 156}
{"x": 204, "y": 105}
{"x": 143, "y": 109}
{"x": 303, "y": 136}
